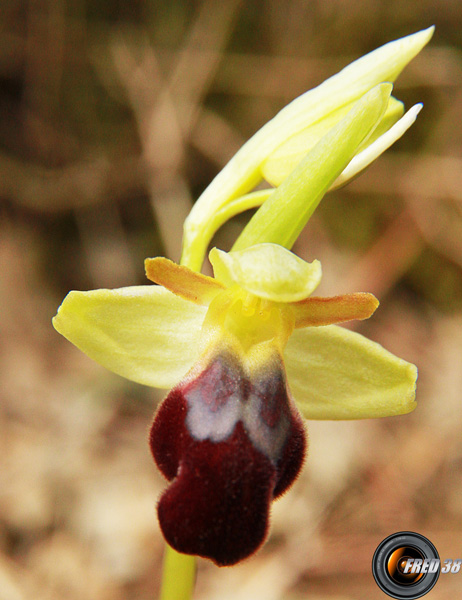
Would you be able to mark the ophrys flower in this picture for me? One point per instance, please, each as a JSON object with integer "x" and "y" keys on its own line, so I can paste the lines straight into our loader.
{"x": 243, "y": 350}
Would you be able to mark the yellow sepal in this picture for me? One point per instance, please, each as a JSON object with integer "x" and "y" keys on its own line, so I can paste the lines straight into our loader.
{"x": 335, "y": 373}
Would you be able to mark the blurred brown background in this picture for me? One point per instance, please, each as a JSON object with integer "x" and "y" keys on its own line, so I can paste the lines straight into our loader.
{"x": 113, "y": 117}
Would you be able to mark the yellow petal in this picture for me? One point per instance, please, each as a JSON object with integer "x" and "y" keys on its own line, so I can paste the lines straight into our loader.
{"x": 337, "y": 309}
{"x": 144, "y": 333}
{"x": 267, "y": 270}
{"x": 334, "y": 373}
{"x": 183, "y": 282}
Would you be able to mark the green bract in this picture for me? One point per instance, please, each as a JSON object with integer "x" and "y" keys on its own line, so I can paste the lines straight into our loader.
{"x": 285, "y": 213}
{"x": 280, "y": 164}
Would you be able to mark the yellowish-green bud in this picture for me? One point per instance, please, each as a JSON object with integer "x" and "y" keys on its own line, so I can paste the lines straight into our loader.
{"x": 278, "y": 147}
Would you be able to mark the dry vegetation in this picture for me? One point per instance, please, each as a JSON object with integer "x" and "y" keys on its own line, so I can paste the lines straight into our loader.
{"x": 113, "y": 118}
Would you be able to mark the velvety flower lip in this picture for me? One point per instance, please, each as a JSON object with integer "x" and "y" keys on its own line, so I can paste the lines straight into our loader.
{"x": 230, "y": 444}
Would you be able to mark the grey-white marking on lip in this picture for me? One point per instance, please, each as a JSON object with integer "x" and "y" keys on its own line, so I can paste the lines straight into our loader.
{"x": 215, "y": 400}
{"x": 267, "y": 413}
{"x": 223, "y": 395}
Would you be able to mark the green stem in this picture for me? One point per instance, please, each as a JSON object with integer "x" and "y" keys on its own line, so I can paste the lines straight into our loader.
{"x": 179, "y": 570}
{"x": 178, "y": 575}
{"x": 194, "y": 252}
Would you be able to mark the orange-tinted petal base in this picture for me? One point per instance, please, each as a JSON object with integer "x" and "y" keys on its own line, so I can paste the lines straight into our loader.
{"x": 315, "y": 311}
{"x": 183, "y": 282}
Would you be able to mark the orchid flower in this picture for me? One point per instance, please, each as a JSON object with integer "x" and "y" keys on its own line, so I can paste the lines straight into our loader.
{"x": 242, "y": 351}
{"x": 249, "y": 352}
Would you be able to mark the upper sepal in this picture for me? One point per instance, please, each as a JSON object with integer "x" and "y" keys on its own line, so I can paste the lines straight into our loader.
{"x": 268, "y": 271}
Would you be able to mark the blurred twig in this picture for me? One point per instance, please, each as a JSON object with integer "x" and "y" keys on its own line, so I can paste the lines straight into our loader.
{"x": 389, "y": 258}
{"x": 169, "y": 109}
{"x": 432, "y": 189}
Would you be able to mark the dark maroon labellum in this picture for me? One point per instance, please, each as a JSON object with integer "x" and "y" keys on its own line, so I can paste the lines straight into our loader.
{"x": 230, "y": 444}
